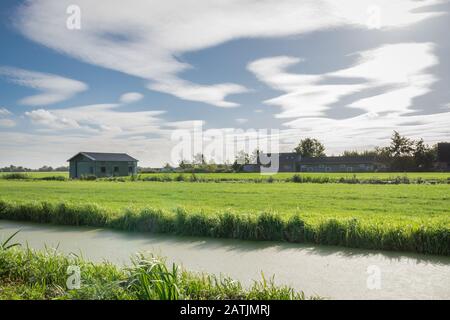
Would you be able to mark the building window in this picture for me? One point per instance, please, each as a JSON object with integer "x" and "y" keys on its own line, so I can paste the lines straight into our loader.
{"x": 130, "y": 169}
{"x": 103, "y": 169}
{"x": 116, "y": 169}
{"x": 91, "y": 170}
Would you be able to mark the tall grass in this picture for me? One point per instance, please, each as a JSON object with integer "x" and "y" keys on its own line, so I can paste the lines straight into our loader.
{"x": 42, "y": 275}
{"x": 7, "y": 244}
{"x": 417, "y": 236}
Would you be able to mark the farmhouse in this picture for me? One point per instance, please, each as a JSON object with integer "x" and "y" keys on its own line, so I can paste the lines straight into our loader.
{"x": 102, "y": 165}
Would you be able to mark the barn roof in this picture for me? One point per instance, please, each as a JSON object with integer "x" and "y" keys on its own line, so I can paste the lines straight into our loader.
{"x": 101, "y": 156}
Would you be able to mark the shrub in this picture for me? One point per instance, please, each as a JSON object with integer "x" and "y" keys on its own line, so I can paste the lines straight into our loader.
{"x": 180, "y": 177}
{"x": 53, "y": 178}
{"x": 15, "y": 176}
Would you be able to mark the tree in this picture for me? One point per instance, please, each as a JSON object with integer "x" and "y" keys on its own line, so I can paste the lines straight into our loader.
{"x": 184, "y": 164}
{"x": 400, "y": 145}
{"x": 199, "y": 159}
{"x": 254, "y": 157}
{"x": 424, "y": 156}
{"x": 310, "y": 148}
{"x": 364, "y": 153}
{"x": 242, "y": 158}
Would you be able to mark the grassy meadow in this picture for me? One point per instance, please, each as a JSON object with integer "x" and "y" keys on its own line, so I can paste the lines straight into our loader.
{"x": 410, "y": 217}
{"x": 311, "y": 200}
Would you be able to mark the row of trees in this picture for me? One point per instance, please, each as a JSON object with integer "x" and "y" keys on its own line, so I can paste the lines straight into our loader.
{"x": 402, "y": 153}
{"x": 13, "y": 168}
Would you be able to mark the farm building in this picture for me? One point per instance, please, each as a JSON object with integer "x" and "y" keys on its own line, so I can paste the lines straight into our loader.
{"x": 292, "y": 162}
{"x": 340, "y": 164}
{"x": 443, "y": 156}
{"x": 101, "y": 165}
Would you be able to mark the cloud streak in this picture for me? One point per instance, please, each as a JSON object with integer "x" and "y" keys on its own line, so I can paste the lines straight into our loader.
{"x": 146, "y": 39}
{"x": 402, "y": 68}
{"x": 53, "y": 88}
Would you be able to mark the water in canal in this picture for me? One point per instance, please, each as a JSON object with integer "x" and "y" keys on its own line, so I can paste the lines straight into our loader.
{"x": 332, "y": 272}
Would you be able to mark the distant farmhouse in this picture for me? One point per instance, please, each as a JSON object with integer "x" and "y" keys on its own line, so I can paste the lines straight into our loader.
{"x": 102, "y": 165}
{"x": 293, "y": 162}
{"x": 443, "y": 156}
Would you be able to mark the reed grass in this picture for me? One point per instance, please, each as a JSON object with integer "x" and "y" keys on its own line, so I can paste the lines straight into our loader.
{"x": 414, "y": 236}
{"x": 29, "y": 274}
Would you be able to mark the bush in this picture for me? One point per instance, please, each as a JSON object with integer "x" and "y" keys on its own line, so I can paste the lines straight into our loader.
{"x": 53, "y": 178}
{"x": 15, "y": 176}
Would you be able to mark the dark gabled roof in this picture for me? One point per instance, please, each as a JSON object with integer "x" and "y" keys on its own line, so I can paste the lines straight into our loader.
{"x": 338, "y": 160}
{"x": 100, "y": 156}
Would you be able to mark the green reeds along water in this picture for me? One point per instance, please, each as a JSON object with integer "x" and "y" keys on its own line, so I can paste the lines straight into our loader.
{"x": 28, "y": 274}
{"x": 432, "y": 237}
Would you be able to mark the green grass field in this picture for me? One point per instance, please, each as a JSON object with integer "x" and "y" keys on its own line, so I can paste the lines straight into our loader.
{"x": 310, "y": 200}
{"x": 412, "y": 217}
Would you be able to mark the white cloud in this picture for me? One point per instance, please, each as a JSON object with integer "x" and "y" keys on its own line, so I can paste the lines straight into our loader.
{"x": 131, "y": 97}
{"x": 212, "y": 94}
{"x": 102, "y": 119}
{"x": 146, "y": 38}
{"x": 54, "y": 88}
{"x": 4, "y": 112}
{"x": 51, "y": 120}
{"x": 400, "y": 67}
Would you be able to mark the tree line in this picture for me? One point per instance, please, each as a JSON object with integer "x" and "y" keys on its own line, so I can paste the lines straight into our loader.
{"x": 13, "y": 168}
{"x": 402, "y": 154}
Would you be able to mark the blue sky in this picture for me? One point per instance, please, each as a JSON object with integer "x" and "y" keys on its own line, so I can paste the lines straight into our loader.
{"x": 132, "y": 75}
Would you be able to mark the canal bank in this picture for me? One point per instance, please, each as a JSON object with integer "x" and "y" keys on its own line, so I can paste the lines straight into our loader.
{"x": 331, "y": 272}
